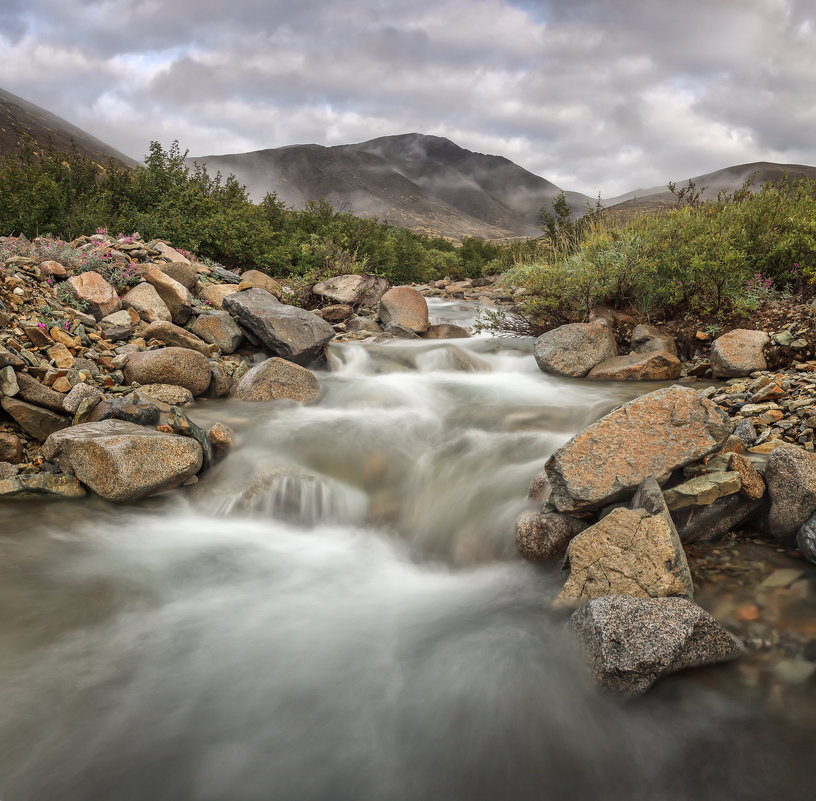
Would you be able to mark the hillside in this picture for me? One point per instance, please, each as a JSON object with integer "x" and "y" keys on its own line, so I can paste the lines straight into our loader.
{"x": 23, "y": 122}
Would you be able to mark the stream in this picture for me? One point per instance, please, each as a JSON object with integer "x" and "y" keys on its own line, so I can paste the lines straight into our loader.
{"x": 336, "y": 612}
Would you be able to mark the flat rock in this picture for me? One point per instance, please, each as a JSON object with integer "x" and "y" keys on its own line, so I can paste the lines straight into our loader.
{"x": 278, "y": 379}
{"x": 573, "y": 350}
{"x": 143, "y": 413}
{"x": 176, "y": 336}
{"x": 738, "y": 353}
{"x": 358, "y": 290}
{"x": 644, "y": 366}
{"x": 628, "y": 552}
{"x": 631, "y": 642}
{"x": 122, "y": 461}
{"x": 791, "y": 478}
{"x": 117, "y": 326}
{"x": 403, "y": 306}
{"x": 292, "y": 333}
{"x": 217, "y": 327}
{"x": 34, "y": 420}
{"x": 544, "y": 536}
{"x": 651, "y": 435}
{"x": 100, "y": 296}
{"x": 34, "y": 392}
{"x": 147, "y": 303}
{"x": 703, "y": 490}
{"x": 178, "y": 366}
{"x": 169, "y": 394}
{"x": 33, "y": 484}
{"x": 706, "y": 523}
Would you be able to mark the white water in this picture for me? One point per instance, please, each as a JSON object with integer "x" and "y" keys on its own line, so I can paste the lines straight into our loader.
{"x": 337, "y": 612}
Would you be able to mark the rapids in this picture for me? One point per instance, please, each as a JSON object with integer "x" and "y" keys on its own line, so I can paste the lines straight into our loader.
{"x": 336, "y": 611}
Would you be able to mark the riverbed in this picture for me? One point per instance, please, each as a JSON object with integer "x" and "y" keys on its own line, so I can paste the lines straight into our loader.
{"x": 337, "y": 611}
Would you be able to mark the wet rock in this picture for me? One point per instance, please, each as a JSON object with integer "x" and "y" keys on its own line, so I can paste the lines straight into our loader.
{"x": 631, "y": 642}
{"x": 221, "y": 436}
{"x": 100, "y": 296}
{"x": 117, "y": 326}
{"x": 651, "y": 435}
{"x": 646, "y": 366}
{"x": 292, "y": 333}
{"x": 142, "y": 413}
{"x": 177, "y": 366}
{"x": 261, "y": 280}
{"x": 182, "y": 272}
{"x": 11, "y": 448}
{"x": 215, "y": 294}
{"x": 703, "y": 490}
{"x": 81, "y": 391}
{"x": 278, "y": 379}
{"x": 218, "y": 328}
{"x": 185, "y": 427}
{"x": 806, "y": 539}
{"x": 705, "y": 523}
{"x": 357, "y": 290}
{"x": 446, "y": 331}
{"x": 122, "y": 461}
{"x": 34, "y": 420}
{"x": 403, "y": 306}
{"x": 176, "y": 296}
{"x": 540, "y": 537}
{"x": 220, "y": 382}
{"x": 628, "y": 552}
{"x": 791, "y": 479}
{"x": 573, "y": 350}
{"x": 175, "y": 336}
{"x": 648, "y": 339}
{"x": 32, "y": 484}
{"x": 145, "y": 301}
{"x": 738, "y": 353}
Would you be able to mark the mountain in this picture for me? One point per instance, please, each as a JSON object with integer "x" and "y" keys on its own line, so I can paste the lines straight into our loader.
{"x": 426, "y": 183}
{"x": 21, "y": 121}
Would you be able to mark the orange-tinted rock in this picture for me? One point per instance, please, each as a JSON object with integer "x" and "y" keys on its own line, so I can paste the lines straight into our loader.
{"x": 100, "y": 296}
{"x": 263, "y": 281}
{"x": 53, "y": 269}
{"x": 651, "y": 435}
{"x": 648, "y": 366}
{"x": 403, "y": 306}
{"x": 753, "y": 485}
{"x": 738, "y": 353}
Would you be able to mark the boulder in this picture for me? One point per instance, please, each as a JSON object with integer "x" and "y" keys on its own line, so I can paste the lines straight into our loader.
{"x": 117, "y": 326}
{"x": 290, "y": 332}
{"x": 34, "y": 420}
{"x": 648, "y": 339}
{"x": 218, "y": 328}
{"x": 573, "y": 350}
{"x": 214, "y": 294}
{"x": 181, "y": 271}
{"x": 221, "y": 436}
{"x": 791, "y": 478}
{"x": 176, "y": 296}
{"x": 738, "y": 353}
{"x": 446, "y": 331}
{"x": 645, "y": 366}
{"x": 220, "y": 382}
{"x": 358, "y": 290}
{"x": 178, "y": 366}
{"x": 53, "y": 269}
{"x": 651, "y": 435}
{"x": 335, "y": 314}
{"x": 122, "y": 461}
{"x": 543, "y": 536}
{"x": 145, "y": 301}
{"x": 278, "y": 379}
{"x": 8, "y": 381}
{"x": 100, "y": 296}
{"x": 628, "y": 552}
{"x": 176, "y": 336}
{"x": 403, "y": 306}
{"x": 261, "y": 280}
{"x": 703, "y": 490}
{"x": 631, "y": 642}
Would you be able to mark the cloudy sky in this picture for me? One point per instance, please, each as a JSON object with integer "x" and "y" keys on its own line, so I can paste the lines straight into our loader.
{"x": 595, "y": 95}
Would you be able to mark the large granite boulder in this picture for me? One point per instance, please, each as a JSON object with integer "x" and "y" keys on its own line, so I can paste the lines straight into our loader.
{"x": 176, "y": 336}
{"x": 791, "y": 478}
{"x": 358, "y": 290}
{"x": 178, "y": 366}
{"x": 145, "y": 301}
{"x": 122, "y": 461}
{"x": 631, "y": 642}
{"x": 651, "y": 435}
{"x": 545, "y": 535}
{"x": 290, "y": 332}
{"x": 628, "y": 552}
{"x": 217, "y": 327}
{"x": 404, "y": 308}
{"x": 738, "y": 353}
{"x": 573, "y": 350}
{"x": 101, "y": 297}
{"x": 645, "y": 366}
{"x": 278, "y": 379}
{"x": 176, "y": 296}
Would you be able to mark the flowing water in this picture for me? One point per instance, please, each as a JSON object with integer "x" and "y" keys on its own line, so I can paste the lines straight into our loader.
{"x": 336, "y": 612}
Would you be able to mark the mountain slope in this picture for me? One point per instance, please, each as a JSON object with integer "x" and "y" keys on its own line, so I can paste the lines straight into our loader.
{"x": 21, "y": 121}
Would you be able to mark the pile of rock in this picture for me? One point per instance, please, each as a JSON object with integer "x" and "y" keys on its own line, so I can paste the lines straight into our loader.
{"x": 487, "y": 291}
{"x": 624, "y": 495}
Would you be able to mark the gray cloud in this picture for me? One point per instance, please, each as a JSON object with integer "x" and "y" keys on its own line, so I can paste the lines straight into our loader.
{"x": 591, "y": 94}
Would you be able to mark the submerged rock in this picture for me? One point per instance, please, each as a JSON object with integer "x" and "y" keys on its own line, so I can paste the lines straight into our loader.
{"x": 631, "y": 642}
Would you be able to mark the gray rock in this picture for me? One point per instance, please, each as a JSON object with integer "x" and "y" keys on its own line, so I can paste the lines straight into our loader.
{"x": 292, "y": 333}
{"x": 806, "y": 539}
{"x": 573, "y": 350}
{"x": 738, "y": 353}
{"x": 117, "y": 326}
{"x": 446, "y": 331}
{"x": 632, "y": 642}
{"x": 218, "y": 328}
{"x": 648, "y": 339}
{"x": 791, "y": 478}
{"x": 220, "y": 383}
{"x": 122, "y": 461}
{"x": 33, "y": 484}
{"x": 178, "y": 366}
{"x": 543, "y": 536}
{"x": 703, "y": 490}
{"x": 704, "y": 523}
{"x": 34, "y": 420}
{"x": 746, "y": 431}
{"x": 182, "y": 272}
{"x": 180, "y": 422}
{"x": 176, "y": 297}
{"x": 8, "y": 382}
{"x": 77, "y": 394}
{"x": 142, "y": 413}
{"x": 8, "y": 470}
{"x": 357, "y": 290}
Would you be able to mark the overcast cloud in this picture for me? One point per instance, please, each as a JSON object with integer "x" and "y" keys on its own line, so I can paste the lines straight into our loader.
{"x": 594, "y": 95}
